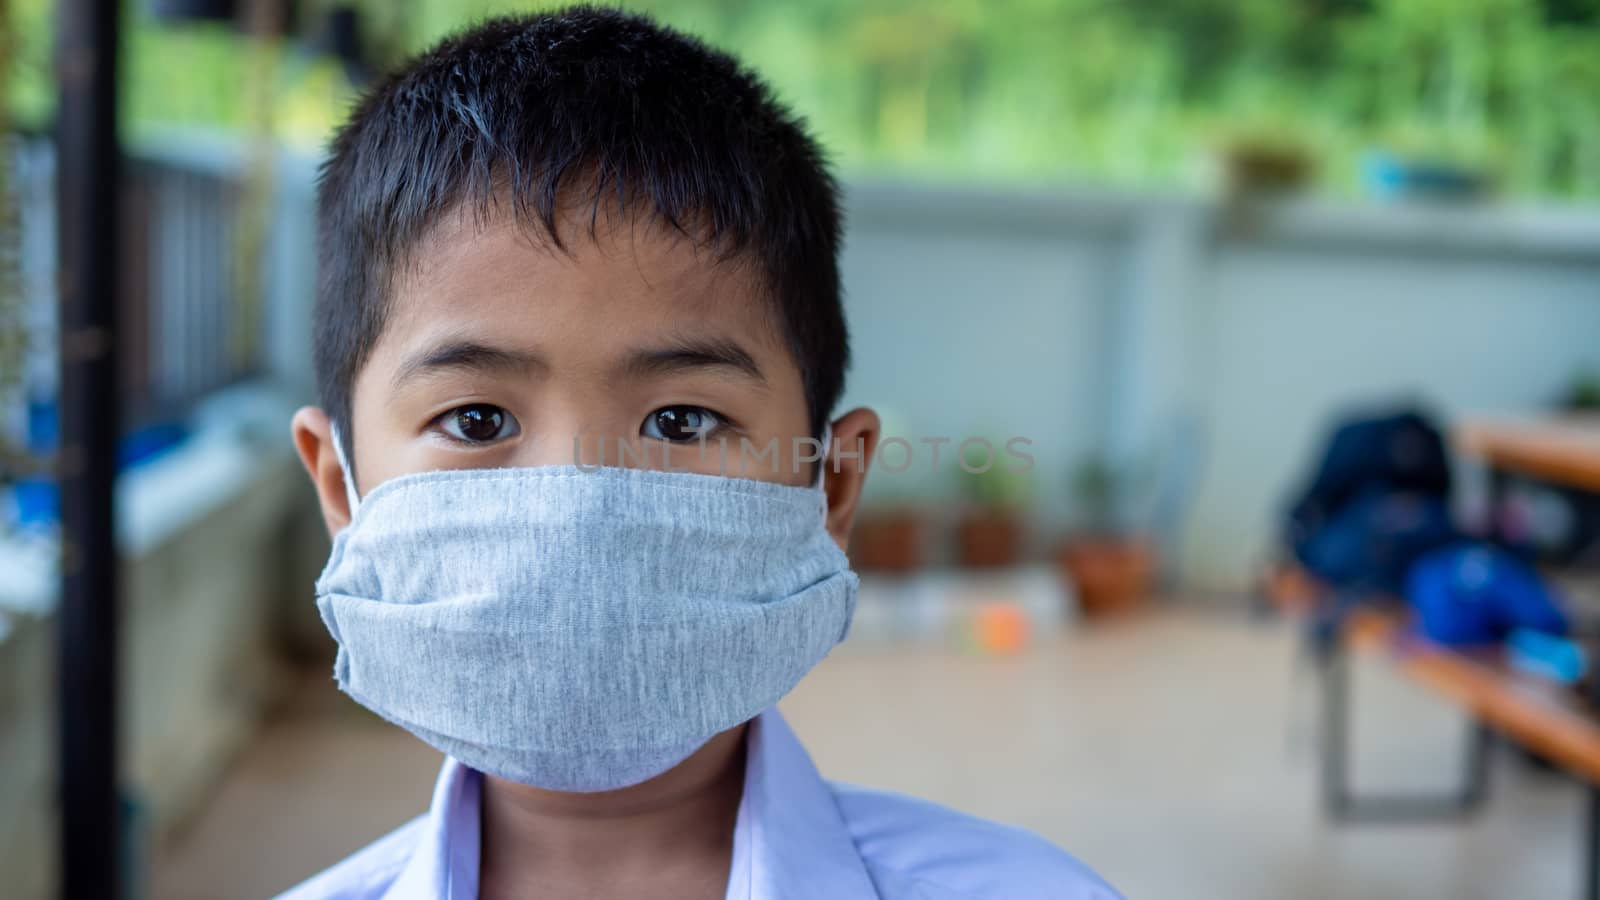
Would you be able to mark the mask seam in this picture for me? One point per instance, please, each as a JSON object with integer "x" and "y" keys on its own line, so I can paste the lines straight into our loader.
{"x": 762, "y": 491}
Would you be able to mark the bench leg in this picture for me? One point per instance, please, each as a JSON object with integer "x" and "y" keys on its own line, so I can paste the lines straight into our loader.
{"x": 1591, "y": 841}
{"x": 1338, "y": 801}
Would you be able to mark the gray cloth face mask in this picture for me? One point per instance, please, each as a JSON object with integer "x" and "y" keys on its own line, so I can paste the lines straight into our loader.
{"x": 580, "y": 629}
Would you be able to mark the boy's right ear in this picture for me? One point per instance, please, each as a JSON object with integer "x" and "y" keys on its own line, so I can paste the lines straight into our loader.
{"x": 313, "y": 439}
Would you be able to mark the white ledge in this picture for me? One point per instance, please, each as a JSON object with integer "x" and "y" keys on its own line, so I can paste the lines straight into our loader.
{"x": 162, "y": 497}
{"x": 1487, "y": 228}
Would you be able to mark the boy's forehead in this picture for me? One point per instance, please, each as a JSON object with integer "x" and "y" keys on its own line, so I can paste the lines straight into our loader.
{"x": 612, "y": 280}
{"x": 593, "y": 246}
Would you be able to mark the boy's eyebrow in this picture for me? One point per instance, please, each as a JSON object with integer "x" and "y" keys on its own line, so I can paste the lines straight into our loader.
{"x": 691, "y": 354}
{"x": 468, "y": 355}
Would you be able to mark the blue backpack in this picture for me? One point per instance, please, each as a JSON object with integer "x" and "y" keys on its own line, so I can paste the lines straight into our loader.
{"x": 1378, "y": 501}
{"x": 1368, "y": 545}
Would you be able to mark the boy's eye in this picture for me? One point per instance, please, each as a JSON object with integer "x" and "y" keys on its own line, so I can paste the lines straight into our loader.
{"x": 679, "y": 423}
{"x": 479, "y": 423}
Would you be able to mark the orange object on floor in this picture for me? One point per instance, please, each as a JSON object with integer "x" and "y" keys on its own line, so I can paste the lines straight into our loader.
{"x": 999, "y": 627}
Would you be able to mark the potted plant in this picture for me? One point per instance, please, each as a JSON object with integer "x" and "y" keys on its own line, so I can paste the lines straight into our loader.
{"x": 1259, "y": 167}
{"x": 889, "y": 538}
{"x": 1266, "y": 165}
{"x": 1109, "y": 562}
{"x": 992, "y": 524}
{"x": 1583, "y": 394}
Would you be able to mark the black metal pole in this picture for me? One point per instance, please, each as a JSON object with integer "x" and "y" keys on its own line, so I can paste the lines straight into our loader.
{"x": 87, "y": 178}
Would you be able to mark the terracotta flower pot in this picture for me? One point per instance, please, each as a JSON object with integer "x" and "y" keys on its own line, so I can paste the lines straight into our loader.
{"x": 1111, "y": 574}
{"x": 1256, "y": 169}
{"x": 989, "y": 538}
{"x": 888, "y": 541}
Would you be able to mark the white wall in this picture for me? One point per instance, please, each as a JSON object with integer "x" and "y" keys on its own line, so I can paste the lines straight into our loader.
{"x": 1299, "y": 333}
{"x": 1090, "y": 321}
{"x": 961, "y": 329}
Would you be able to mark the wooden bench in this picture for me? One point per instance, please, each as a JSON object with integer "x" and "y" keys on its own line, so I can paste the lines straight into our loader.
{"x": 1564, "y": 452}
{"x": 1540, "y": 715}
{"x": 1546, "y": 718}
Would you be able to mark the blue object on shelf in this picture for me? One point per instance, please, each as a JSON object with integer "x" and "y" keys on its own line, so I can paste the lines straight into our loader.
{"x": 44, "y": 427}
{"x": 1547, "y": 656}
{"x": 1392, "y": 177}
{"x": 149, "y": 443}
{"x": 38, "y": 500}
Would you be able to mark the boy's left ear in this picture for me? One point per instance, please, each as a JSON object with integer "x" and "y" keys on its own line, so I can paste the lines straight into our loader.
{"x": 855, "y": 440}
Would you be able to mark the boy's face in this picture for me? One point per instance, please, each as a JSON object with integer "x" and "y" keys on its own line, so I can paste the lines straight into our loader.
{"x": 500, "y": 350}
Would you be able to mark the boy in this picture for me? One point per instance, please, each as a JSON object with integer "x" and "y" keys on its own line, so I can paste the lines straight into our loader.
{"x": 575, "y": 268}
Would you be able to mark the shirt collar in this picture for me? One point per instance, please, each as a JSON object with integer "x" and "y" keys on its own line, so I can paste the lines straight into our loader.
{"x": 444, "y": 863}
{"x": 798, "y": 842}
{"x": 789, "y": 838}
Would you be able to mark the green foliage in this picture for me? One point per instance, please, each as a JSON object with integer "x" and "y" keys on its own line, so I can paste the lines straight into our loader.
{"x": 997, "y": 90}
{"x": 27, "y": 82}
{"x": 1583, "y": 395}
{"x": 1112, "y": 495}
{"x": 999, "y": 487}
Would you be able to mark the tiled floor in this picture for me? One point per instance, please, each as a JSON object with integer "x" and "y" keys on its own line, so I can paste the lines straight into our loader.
{"x": 1163, "y": 751}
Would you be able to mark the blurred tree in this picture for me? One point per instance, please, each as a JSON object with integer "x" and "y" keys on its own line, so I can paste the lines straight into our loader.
{"x": 1571, "y": 12}
{"x": 1129, "y": 92}
{"x": 264, "y": 23}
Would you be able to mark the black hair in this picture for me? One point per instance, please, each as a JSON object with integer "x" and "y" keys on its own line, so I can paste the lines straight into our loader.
{"x": 531, "y": 108}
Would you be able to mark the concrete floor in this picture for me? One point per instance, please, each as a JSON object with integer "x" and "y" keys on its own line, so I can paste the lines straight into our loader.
{"x": 1172, "y": 752}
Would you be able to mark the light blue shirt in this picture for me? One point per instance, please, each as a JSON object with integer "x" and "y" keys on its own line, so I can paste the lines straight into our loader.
{"x": 796, "y": 836}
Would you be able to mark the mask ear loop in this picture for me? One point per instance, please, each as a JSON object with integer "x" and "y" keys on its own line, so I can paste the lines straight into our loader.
{"x": 827, "y": 445}
{"x": 350, "y": 494}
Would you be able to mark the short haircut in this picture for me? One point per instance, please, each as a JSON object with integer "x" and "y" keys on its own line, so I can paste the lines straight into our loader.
{"x": 644, "y": 119}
